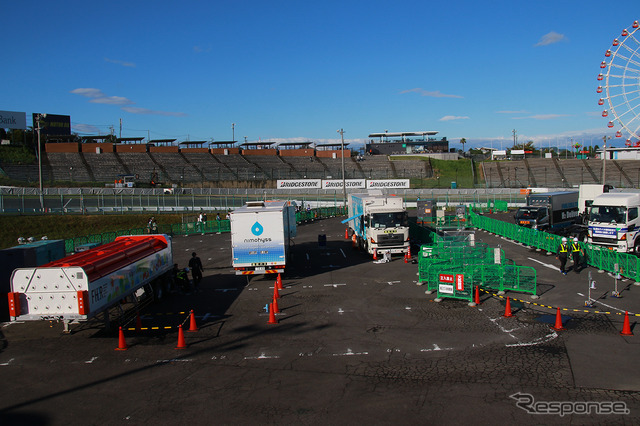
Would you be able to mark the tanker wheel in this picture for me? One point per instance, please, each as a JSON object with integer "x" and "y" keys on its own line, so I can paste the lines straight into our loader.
{"x": 636, "y": 247}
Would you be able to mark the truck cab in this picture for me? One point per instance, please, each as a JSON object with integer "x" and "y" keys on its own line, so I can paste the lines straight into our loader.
{"x": 614, "y": 222}
{"x": 533, "y": 217}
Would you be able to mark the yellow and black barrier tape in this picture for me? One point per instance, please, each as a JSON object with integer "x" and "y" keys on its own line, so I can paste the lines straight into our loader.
{"x": 587, "y": 311}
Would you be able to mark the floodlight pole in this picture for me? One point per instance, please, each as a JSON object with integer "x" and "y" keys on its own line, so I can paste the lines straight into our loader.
{"x": 344, "y": 186}
{"x": 38, "y": 128}
{"x": 604, "y": 159}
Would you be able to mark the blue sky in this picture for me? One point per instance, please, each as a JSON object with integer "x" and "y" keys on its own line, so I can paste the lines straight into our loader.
{"x": 294, "y": 70}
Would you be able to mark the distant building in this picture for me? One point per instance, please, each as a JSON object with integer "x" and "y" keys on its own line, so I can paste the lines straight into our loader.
{"x": 627, "y": 153}
{"x": 388, "y": 143}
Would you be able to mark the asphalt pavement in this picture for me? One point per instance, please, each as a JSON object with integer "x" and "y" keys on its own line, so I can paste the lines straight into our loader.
{"x": 356, "y": 342}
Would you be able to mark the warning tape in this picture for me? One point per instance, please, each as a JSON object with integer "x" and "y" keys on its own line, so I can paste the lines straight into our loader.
{"x": 556, "y": 307}
{"x": 167, "y": 327}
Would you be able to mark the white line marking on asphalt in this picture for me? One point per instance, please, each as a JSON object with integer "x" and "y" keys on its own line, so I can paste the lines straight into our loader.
{"x": 435, "y": 348}
{"x": 224, "y": 290}
{"x": 555, "y": 268}
{"x": 333, "y": 285}
{"x": 343, "y": 255}
{"x": 611, "y": 307}
{"x": 262, "y": 356}
{"x": 8, "y": 362}
{"x": 340, "y": 311}
{"x": 580, "y": 294}
{"x": 392, "y": 282}
{"x": 165, "y": 361}
{"x": 8, "y": 323}
{"x": 537, "y": 341}
{"x": 93, "y": 358}
{"x": 349, "y": 352}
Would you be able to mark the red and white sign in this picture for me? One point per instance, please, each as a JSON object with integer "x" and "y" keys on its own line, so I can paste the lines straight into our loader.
{"x": 446, "y": 278}
{"x": 459, "y": 282}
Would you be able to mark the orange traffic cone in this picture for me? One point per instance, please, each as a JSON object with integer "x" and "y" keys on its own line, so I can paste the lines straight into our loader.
{"x": 346, "y": 233}
{"x": 375, "y": 254}
{"x": 626, "y": 327}
{"x": 138, "y": 323}
{"x": 354, "y": 241}
{"x": 558, "y": 325}
{"x": 406, "y": 260}
{"x": 507, "y": 309}
{"x": 192, "y": 324}
{"x": 276, "y": 294}
{"x": 409, "y": 251}
{"x": 122, "y": 345}
{"x": 279, "y": 282}
{"x": 476, "y": 298}
{"x": 272, "y": 315}
{"x": 181, "y": 343}
{"x": 275, "y": 306}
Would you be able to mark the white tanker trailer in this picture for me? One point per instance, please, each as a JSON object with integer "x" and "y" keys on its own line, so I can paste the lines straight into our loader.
{"x": 80, "y": 286}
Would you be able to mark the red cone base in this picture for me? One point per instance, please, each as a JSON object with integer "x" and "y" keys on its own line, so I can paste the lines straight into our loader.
{"x": 558, "y": 325}
{"x": 181, "y": 343}
{"x": 192, "y": 324}
{"x": 122, "y": 345}
{"x": 507, "y": 309}
{"x": 272, "y": 315}
{"x": 626, "y": 327}
{"x": 476, "y": 298}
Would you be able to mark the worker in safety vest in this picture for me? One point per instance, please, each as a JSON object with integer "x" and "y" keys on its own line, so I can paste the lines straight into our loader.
{"x": 576, "y": 251}
{"x": 563, "y": 253}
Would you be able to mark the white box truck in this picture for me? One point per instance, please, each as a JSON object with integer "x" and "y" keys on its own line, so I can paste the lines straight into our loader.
{"x": 379, "y": 222}
{"x": 261, "y": 233}
{"x": 614, "y": 221}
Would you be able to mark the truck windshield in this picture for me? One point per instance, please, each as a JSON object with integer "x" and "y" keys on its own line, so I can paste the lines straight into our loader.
{"x": 389, "y": 220}
{"x": 608, "y": 214}
{"x": 528, "y": 213}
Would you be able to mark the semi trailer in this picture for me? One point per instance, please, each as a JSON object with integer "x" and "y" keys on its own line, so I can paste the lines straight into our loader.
{"x": 79, "y": 287}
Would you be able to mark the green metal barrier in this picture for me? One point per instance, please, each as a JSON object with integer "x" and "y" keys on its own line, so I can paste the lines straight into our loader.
{"x": 628, "y": 265}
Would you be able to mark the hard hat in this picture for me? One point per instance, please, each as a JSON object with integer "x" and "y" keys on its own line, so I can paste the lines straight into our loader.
{"x": 575, "y": 239}
{"x": 564, "y": 239}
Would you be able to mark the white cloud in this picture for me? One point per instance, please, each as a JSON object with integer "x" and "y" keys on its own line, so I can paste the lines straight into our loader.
{"x": 123, "y": 63}
{"x": 146, "y": 111}
{"x": 551, "y": 38}
{"x": 85, "y": 128}
{"x": 432, "y": 94}
{"x": 111, "y": 100}
{"x": 454, "y": 117}
{"x": 88, "y": 92}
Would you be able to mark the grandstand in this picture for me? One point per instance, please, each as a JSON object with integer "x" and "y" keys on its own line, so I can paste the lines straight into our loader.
{"x": 226, "y": 165}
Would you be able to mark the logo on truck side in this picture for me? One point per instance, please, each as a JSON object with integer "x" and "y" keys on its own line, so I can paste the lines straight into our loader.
{"x": 257, "y": 229}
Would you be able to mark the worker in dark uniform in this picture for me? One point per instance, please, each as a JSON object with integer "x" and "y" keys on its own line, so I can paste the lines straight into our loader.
{"x": 576, "y": 251}
{"x": 563, "y": 253}
{"x": 196, "y": 270}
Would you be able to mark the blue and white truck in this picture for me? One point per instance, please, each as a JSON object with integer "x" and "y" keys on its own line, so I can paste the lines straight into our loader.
{"x": 379, "y": 222}
{"x": 614, "y": 221}
{"x": 261, "y": 233}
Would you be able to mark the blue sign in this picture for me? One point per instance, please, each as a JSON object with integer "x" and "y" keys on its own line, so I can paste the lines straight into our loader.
{"x": 257, "y": 229}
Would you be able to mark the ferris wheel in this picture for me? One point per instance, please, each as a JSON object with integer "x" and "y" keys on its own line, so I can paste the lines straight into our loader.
{"x": 620, "y": 85}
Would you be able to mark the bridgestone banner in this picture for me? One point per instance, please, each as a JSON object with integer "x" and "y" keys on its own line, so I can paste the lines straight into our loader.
{"x": 390, "y": 183}
{"x": 13, "y": 120}
{"x": 349, "y": 183}
{"x": 300, "y": 184}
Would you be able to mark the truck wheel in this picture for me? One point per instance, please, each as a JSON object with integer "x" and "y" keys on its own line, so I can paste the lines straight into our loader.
{"x": 636, "y": 247}
{"x": 583, "y": 237}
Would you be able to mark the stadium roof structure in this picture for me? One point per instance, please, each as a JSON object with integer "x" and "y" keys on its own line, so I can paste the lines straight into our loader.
{"x": 257, "y": 145}
{"x": 60, "y": 138}
{"x": 329, "y": 146}
{"x": 95, "y": 138}
{"x": 294, "y": 145}
{"x": 162, "y": 141}
{"x": 402, "y": 134}
{"x": 223, "y": 144}
{"x": 192, "y": 144}
{"x": 130, "y": 140}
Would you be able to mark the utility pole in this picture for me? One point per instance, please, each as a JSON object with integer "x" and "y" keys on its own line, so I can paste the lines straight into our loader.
{"x": 344, "y": 186}
{"x": 514, "y": 137}
{"x": 233, "y": 132}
